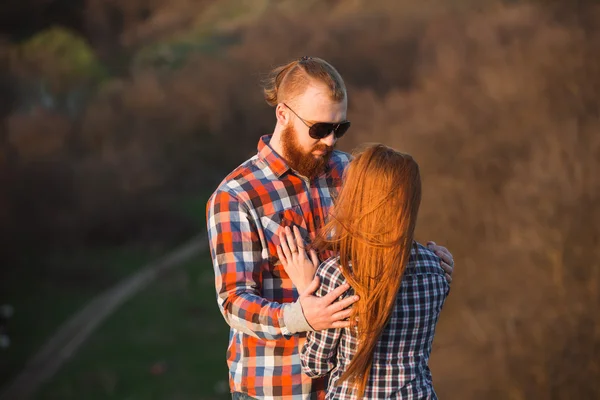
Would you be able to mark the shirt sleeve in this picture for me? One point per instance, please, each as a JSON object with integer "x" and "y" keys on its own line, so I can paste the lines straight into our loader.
{"x": 318, "y": 355}
{"x": 238, "y": 263}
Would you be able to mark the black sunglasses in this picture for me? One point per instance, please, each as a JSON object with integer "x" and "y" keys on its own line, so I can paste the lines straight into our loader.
{"x": 320, "y": 130}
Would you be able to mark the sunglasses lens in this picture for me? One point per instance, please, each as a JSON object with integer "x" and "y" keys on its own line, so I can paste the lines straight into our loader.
{"x": 320, "y": 130}
{"x": 342, "y": 128}
{"x": 323, "y": 129}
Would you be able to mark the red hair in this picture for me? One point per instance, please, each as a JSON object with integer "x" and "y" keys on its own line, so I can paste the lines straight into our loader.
{"x": 372, "y": 228}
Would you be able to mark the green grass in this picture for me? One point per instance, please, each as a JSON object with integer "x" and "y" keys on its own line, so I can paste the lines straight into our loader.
{"x": 173, "y": 326}
{"x": 50, "y": 287}
{"x": 44, "y": 293}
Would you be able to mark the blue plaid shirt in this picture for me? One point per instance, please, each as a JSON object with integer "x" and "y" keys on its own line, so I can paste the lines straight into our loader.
{"x": 401, "y": 356}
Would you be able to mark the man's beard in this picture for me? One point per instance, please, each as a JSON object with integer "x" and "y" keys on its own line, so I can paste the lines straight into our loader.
{"x": 305, "y": 164}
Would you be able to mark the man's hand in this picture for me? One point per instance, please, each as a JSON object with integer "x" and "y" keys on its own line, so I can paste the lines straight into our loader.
{"x": 447, "y": 261}
{"x": 320, "y": 312}
{"x": 324, "y": 312}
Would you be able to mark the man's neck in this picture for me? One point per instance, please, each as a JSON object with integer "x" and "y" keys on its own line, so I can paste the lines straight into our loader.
{"x": 275, "y": 142}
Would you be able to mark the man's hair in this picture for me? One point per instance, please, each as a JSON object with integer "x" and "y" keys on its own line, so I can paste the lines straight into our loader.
{"x": 372, "y": 228}
{"x": 288, "y": 81}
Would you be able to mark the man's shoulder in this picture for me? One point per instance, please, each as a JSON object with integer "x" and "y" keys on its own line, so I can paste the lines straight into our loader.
{"x": 234, "y": 184}
{"x": 339, "y": 159}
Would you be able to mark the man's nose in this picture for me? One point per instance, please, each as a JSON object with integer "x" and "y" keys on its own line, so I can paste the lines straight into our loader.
{"x": 330, "y": 139}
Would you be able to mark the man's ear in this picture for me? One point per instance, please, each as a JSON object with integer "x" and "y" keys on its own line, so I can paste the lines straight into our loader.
{"x": 282, "y": 114}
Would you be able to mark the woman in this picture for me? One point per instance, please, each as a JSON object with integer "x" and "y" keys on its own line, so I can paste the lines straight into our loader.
{"x": 400, "y": 283}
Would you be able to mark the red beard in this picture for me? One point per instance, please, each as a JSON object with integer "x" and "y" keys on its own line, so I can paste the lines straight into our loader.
{"x": 305, "y": 164}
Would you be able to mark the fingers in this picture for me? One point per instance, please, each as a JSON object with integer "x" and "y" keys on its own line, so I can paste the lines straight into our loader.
{"x": 344, "y": 303}
{"x": 346, "y": 322}
{"x": 334, "y": 294}
{"x": 342, "y": 324}
{"x": 449, "y": 269}
{"x": 312, "y": 288}
{"x": 284, "y": 245}
{"x": 448, "y": 278}
{"x": 299, "y": 240}
{"x": 314, "y": 258}
{"x": 441, "y": 252}
{"x": 290, "y": 240}
{"x": 445, "y": 256}
{"x": 281, "y": 256}
{"x": 342, "y": 315}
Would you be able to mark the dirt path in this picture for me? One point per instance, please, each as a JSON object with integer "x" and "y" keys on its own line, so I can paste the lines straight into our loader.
{"x": 69, "y": 337}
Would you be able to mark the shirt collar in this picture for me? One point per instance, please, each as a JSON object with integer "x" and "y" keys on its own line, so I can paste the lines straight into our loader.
{"x": 270, "y": 156}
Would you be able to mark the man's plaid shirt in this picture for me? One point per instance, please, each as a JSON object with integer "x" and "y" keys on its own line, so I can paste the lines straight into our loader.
{"x": 255, "y": 295}
{"x": 400, "y": 360}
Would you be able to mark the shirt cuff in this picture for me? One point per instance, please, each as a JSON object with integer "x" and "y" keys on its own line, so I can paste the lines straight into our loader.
{"x": 294, "y": 319}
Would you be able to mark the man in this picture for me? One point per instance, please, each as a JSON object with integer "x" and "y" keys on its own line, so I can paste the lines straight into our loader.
{"x": 290, "y": 182}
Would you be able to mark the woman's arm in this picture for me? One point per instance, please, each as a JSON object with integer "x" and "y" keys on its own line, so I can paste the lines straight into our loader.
{"x": 318, "y": 356}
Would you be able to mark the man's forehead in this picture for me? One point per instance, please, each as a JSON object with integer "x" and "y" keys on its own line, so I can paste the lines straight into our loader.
{"x": 316, "y": 104}
{"x": 317, "y": 94}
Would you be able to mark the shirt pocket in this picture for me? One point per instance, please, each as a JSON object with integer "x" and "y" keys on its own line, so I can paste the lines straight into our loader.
{"x": 274, "y": 224}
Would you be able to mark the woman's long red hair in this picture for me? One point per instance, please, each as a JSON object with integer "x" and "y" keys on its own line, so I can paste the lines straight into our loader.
{"x": 372, "y": 229}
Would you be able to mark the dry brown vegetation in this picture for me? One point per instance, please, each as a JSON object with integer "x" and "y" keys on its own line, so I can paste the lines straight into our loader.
{"x": 504, "y": 118}
{"x": 499, "y": 104}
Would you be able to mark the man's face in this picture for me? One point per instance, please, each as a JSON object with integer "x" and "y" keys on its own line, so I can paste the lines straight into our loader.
{"x": 306, "y": 155}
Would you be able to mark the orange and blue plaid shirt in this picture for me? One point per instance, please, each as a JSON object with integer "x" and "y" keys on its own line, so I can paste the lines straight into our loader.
{"x": 255, "y": 295}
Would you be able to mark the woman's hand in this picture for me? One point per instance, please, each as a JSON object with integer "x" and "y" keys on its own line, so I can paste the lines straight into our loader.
{"x": 295, "y": 261}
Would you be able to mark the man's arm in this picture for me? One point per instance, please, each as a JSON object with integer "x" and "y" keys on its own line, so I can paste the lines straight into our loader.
{"x": 321, "y": 312}
{"x": 236, "y": 252}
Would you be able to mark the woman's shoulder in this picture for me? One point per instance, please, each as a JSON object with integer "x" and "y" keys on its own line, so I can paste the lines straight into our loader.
{"x": 330, "y": 273}
{"x": 423, "y": 261}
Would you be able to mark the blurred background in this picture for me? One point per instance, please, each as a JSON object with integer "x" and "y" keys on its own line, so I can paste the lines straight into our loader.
{"x": 119, "y": 118}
